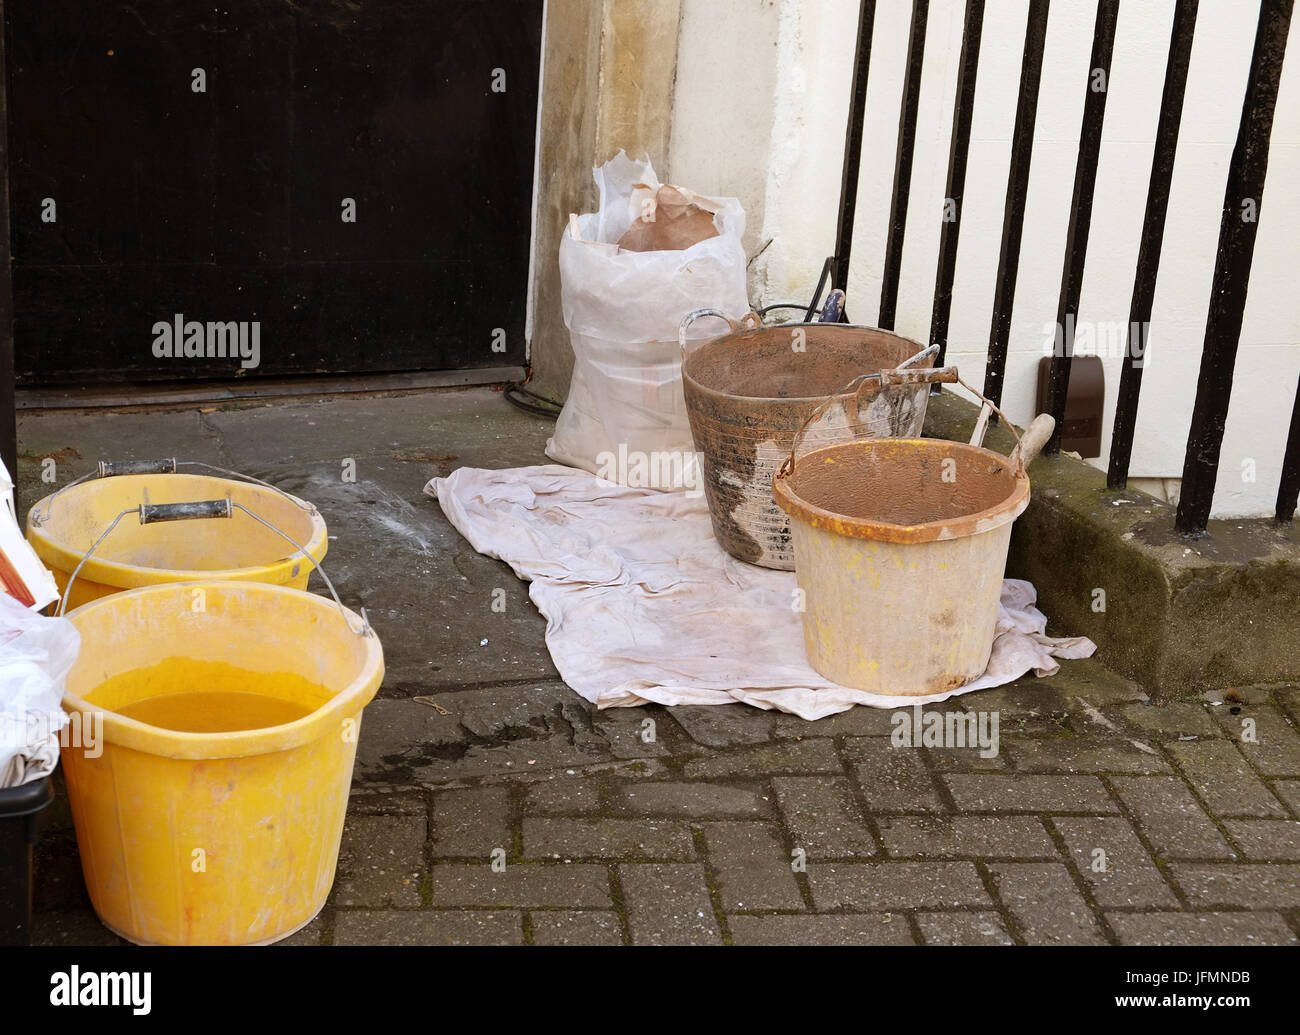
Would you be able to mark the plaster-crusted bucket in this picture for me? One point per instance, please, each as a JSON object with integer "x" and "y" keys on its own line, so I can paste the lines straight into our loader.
{"x": 900, "y": 547}
{"x": 68, "y": 530}
{"x": 749, "y": 391}
{"x": 210, "y": 810}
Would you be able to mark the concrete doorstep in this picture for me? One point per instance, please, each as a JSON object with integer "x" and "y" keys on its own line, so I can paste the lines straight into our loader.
{"x": 1179, "y": 615}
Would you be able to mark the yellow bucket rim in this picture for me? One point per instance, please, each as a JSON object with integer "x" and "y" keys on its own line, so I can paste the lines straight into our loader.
{"x": 131, "y": 576}
{"x": 156, "y": 740}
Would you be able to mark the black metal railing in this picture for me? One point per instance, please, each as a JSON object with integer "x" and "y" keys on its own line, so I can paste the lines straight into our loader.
{"x": 1236, "y": 232}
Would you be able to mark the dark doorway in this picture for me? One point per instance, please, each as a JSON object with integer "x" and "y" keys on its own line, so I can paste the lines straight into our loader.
{"x": 193, "y": 160}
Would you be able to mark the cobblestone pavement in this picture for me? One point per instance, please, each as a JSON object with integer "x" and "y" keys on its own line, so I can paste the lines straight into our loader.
{"x": 492, "y": 805}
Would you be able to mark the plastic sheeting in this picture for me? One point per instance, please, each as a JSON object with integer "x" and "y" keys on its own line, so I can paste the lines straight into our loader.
{"x": 36, "y": 654}
{"x": 641, "y": 604}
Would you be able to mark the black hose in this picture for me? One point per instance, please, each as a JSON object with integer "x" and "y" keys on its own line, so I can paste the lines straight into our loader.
{"x": 547, "y": 408}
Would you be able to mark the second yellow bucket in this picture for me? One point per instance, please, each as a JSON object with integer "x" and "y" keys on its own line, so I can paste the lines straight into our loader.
{"x": 64, "y": 526}
{"x": 211, "y": 809}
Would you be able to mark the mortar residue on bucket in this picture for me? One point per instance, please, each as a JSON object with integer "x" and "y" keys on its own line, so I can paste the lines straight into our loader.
{"x": 900, "y": 548}
{"x": 749, "y": 392}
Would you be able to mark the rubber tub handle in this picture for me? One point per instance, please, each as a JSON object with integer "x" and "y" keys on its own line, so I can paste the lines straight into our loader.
{"x": 152, "y": 512}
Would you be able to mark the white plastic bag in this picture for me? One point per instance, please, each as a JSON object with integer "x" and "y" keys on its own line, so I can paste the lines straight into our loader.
{"x": 625, "y": 417}
{"x": 35, "y": 656}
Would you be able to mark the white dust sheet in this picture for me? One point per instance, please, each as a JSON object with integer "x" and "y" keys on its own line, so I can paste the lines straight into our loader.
{"x": 642, "y": 604}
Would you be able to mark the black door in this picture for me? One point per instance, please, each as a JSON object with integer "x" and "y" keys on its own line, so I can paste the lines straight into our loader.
{"x": 346, "y": 184}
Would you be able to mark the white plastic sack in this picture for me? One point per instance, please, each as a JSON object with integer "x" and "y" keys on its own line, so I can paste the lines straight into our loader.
{"x": 625, "y": 413}
{"x": 35, "y": 656}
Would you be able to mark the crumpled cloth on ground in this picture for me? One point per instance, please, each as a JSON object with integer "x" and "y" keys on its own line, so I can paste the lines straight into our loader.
{"x": 642, "y": 604}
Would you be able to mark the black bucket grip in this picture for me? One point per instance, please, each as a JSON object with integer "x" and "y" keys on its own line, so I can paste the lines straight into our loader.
{"x": 114, "y": 468}
{"x": 152, "y": 512}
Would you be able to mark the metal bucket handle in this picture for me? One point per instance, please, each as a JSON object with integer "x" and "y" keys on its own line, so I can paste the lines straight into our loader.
{"x": 168, "y": 465}
{"x": 198, "y": 510}
{"x": 748, "y": 322}
{"x": 1027, "y": 445}
{"x": 900, "y": 376}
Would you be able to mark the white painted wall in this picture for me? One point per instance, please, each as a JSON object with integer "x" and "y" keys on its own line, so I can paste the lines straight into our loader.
{"x": 759, "y": 113}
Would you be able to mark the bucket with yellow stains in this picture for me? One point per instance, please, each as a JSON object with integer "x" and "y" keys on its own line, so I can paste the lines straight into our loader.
{"x": 257, "y": 543}
{"x": 217, "y": 727}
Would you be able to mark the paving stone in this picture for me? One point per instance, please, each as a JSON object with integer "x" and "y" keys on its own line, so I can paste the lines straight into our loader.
{"x": 751, "y": 866}
{"x": 471, "y": 823}
{"x": 399, "y": 804}
{"x": 1129, "y": 878}
{"x": 985, "y": 837}
{"x": 563, "y": 795}
{"x": 871, "y": 887}
{"x": 394, "y": 731}
{"x": 668, "y": 904}
{"x": 1276, "y": 748}
{"x": 1092, "y": 681}
{"x": 1289, "y": 792}
{"x": 856, "y": 722}
{"x": 475, "y": 884}
{"x": 1269, "y": 839}
{"x": 1045, "y": 903}
{"x": 892, "y": 779}
{"x": 704, "y": 800}
{"x": 1166, "y": 928}
{"x": 380, "y": 862}
{"x": 1171, "y": 818}
{"x": 727, "y": 725}
{"x": 312, "y": 934}
{"x": 821, "y": 814}
{"x": 80, "y": 927}
{"x": 1289, "y": 699}
{"x": 517, "y": 710}
{"x": 1083, "y": 755}
{"x": 1171, "y": 721}
{"x": 607, "y": 839}
{"x": 1030, "y": 707}
{"x": 813, "y": 755}
{"x": 1248, "y": 885}
{"x": 993, "y": 792}
{"x": 962, "y": 760}
{"x": 57, "y": 882}
{"x": 963, "y": 929}
{"x": 831, "y": 929}
{"x": 583, "y": 927}
{"x": 1224, "y": 780}
{"x": 627, "y": 729}
{"x": 528, "y": 728}
{"x": 427, "y": 927}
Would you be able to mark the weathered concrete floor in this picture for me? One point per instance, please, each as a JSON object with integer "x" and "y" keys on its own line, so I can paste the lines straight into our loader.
{"x": 611, "y": 837}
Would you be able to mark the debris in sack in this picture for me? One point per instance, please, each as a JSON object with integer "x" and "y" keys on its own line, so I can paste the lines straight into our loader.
{"x": 671, "y": 219}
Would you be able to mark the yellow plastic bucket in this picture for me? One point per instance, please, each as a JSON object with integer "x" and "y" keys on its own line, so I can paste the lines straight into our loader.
{"x": 197, "y": 822}
{"x": 62, "y": 528}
